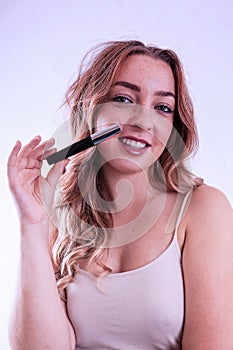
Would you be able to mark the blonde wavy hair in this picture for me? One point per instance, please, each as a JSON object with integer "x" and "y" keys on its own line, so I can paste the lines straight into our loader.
{"x": 83, "y": 228}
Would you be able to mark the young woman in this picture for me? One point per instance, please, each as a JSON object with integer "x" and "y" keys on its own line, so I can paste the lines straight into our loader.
{"x": 140, "y": 253}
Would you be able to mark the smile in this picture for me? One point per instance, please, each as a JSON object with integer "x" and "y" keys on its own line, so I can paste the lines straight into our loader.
{"x": 133, "y": 143}
{"x": 132, "y": 146}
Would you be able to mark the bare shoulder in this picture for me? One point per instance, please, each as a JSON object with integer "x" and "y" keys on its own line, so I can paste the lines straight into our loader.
{"x": 207, "y": 193}
{"x": 207, "y": 201}
{"x": 207, "y": 268}
{"x": 209, "y": 220}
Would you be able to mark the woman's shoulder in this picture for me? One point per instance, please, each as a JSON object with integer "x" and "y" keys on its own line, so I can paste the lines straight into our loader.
{"x": 207, "y": 265}
{"x": 208, "y": 207}
{"x": 205, "y": 197}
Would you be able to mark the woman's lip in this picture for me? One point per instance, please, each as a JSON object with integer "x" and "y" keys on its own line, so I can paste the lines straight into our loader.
{"x": 136, "y": 151}
{"x": 134, "y": 139}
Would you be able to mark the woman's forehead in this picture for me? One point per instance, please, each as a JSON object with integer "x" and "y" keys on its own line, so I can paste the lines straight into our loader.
{"x": 142, "y": 70}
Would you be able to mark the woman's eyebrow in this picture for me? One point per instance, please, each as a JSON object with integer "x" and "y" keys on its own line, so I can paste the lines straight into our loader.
{"x": 165, "y": 93}
{"x": 137, "y": 88}
{"x": 128, "y": 85}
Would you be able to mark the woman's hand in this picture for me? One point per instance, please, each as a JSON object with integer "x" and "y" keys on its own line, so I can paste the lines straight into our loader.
{"x": 33, "y": 193}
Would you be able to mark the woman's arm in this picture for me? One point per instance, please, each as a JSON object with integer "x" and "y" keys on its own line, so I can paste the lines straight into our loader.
{"x": 38, "y": 319}
{"x": 208, "y": 272}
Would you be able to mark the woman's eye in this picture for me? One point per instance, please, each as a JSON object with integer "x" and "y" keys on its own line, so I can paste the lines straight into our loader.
{"x": 121, "y": 99}
{"x": 164, "y": 108}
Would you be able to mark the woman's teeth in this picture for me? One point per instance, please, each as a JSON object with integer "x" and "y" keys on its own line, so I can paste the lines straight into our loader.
{"x": 133, "y": 143}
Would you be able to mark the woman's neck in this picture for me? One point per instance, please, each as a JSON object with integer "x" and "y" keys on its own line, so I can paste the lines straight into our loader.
{"x": 135, "y": 206}
{"x": 126, "y": 190}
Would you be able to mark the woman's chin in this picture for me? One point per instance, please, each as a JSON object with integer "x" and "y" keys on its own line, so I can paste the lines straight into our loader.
{"x": 126, "y": 166}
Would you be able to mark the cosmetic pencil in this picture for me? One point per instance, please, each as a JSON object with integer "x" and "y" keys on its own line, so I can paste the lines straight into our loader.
{"x": 84, "y": 144}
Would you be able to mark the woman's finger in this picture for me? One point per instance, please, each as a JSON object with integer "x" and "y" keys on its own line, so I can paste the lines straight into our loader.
{"x": 39, "y": 151}
{"x": 37, "y": 162}
{"x": 48, "y": 153}
{"x": 13, "y": 155}
{"x": 12, "y": 162}
{"x": 56, "y": 171}
{"x": 34, "y": 163}
{"x": 28, "y": 148}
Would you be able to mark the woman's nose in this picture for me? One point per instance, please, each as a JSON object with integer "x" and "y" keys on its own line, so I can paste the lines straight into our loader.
{"x": 142, "y": 117}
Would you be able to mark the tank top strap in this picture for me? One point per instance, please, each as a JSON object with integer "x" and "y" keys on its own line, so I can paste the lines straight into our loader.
{"x": 182, "y": 209}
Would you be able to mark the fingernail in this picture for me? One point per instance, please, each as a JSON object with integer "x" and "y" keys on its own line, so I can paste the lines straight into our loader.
{"x": 17, "y": 143}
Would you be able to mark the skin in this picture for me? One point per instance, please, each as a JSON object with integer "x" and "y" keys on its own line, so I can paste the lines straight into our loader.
{"x": 36, "y": 290}
{"x": 205, "y": 234}
{"x": 143, "y": 115}
{"x": 146, "y": 116}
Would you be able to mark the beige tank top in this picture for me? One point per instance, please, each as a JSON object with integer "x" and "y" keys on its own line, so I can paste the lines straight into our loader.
{"x": 141, "y": 309}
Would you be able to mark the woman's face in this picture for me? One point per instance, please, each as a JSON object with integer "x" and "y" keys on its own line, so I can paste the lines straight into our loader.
{"x": 142, "y": 101}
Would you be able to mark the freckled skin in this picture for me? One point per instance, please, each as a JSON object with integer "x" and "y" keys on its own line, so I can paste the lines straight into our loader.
{"x": 143, "y": 115}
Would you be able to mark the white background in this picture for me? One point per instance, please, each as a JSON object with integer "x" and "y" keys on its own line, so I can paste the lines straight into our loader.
{"x": 41, "y": 45}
